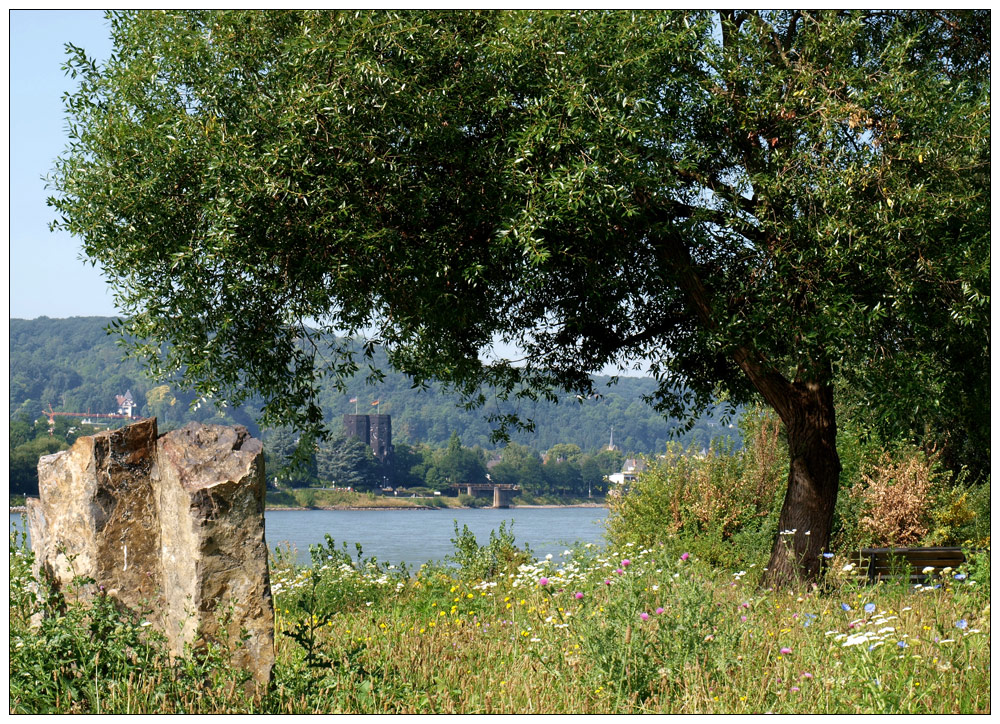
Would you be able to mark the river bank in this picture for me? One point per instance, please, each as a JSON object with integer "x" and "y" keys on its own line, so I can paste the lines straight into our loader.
{"x": 395, "y": 506}
{"x": 424, "y": 507}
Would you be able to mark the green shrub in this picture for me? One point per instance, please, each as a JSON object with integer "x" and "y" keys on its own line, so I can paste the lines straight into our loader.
{"x": 281, "y": 498}
{"x": 486, "y": 562}
{"x": 905, "y": 497}
{"x": 474, "y": 501}
{"x": 722, "y": 505}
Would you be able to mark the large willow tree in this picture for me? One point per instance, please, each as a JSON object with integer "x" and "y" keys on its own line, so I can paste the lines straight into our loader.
{"x": 758, "y": 203}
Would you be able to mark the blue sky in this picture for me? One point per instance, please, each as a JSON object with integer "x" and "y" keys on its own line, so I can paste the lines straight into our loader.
{"x": 47, "y": 276}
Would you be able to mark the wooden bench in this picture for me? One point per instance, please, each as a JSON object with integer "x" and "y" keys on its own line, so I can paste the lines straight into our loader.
{"x": 881, "y": 563}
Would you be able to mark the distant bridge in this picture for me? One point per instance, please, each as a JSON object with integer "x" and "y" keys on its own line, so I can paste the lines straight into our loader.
{"x": 52, "y": 415}
{"x": 503, "y": 493}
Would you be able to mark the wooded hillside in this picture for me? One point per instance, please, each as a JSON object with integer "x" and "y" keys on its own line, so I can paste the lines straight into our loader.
{"x": 75, "y": 366}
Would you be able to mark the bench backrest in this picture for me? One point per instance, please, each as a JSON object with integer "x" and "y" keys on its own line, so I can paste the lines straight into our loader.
{"x": 886, "y": 562}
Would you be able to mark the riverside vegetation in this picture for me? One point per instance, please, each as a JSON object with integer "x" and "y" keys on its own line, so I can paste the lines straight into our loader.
{"x": 678, "y": 624}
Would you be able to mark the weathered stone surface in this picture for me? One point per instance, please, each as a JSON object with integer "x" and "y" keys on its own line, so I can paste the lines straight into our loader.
{"x": 95, "y": 516}
{"x": 172, "y": 528}
{"x": 210, "y": 481}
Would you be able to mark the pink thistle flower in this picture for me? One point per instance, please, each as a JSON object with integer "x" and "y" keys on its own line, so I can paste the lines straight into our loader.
{"x": 644, "y": 616}
{"x": 607, "y": 582}
{"x": 685, "y": 556}
{"x": 578, "y": 595}
{"x": 794, "y": 688}
{"x": 626, "y": 563}
{"x": 807, "y": 675}
{"x": 743, "y": 619}
{"x": 659, "y": 610}
{"x": 786, "y": 650}
{"x": 543, "y": 581}
{"x": 619, "y": 571}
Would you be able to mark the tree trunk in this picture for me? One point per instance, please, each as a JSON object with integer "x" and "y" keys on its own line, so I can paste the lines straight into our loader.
{"x": 813, "y": 479}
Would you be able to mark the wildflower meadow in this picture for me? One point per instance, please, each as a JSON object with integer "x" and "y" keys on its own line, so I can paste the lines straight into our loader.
{"x": 627, "y": 629}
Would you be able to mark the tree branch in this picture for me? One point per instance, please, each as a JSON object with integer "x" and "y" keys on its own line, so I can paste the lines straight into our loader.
{"x": 776, "y": 390}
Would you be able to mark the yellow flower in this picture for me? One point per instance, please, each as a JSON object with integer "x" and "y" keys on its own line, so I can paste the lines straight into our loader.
{"x": 470, "y": 596}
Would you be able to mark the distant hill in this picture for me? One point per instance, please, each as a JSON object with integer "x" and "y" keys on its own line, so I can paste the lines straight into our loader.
{"x": 74, "y": 366}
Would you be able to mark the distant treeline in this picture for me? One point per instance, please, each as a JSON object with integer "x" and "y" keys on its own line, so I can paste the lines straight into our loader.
{"x": 73, "y": 365}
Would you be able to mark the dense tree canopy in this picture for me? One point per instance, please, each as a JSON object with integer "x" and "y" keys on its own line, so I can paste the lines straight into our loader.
{"x": 754, "y": 202}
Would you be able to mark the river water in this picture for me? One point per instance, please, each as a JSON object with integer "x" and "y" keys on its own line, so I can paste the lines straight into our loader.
{"x": 416, "y": 536}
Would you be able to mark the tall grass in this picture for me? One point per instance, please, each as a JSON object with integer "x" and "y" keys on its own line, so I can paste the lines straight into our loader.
{"x": 635, "y": 629}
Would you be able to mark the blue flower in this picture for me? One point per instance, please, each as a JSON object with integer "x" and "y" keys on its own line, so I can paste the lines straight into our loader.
{"x": 960, "y": 576}
{"x": 962, "y": 624}
{"x": 844, "y": 607}
{"x": 901, "y": 644}
{"x": 828, "y": 555}
{"x": 869, "y": 608}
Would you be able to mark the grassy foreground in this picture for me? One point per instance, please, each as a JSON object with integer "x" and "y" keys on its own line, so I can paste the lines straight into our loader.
{"x": 588, "y": 631}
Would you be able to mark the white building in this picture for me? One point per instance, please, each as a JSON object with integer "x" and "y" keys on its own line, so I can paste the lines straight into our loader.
{"x": 630, "y": 471}
{"x": 125, "y": 403}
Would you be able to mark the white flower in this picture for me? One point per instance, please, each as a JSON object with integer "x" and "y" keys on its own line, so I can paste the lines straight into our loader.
{"x": 856, "y": 639}
{"x": 849, "y": 567}
{"x": 548, "y": 557}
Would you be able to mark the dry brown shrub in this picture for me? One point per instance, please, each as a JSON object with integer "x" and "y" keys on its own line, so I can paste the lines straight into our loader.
{"x": 895, "y": 499}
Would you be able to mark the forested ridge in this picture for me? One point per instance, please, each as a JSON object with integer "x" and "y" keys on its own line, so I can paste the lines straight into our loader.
{"x": 75, "y": 366}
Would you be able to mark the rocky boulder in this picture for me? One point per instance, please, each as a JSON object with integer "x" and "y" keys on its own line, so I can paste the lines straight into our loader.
{"x": 172, "y": 528}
